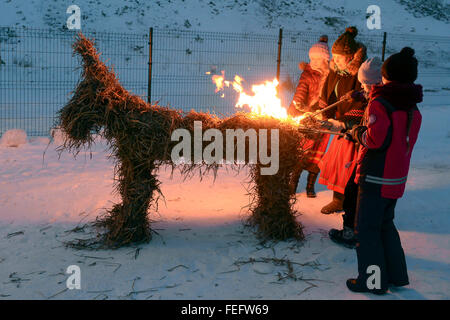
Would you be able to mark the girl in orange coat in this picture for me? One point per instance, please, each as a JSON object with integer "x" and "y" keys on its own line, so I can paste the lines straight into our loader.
{"x": 348, "y": 55}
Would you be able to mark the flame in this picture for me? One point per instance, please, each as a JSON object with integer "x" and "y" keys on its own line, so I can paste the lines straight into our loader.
{"x": 219, "y": 81}
{"x": 263, "y": 102}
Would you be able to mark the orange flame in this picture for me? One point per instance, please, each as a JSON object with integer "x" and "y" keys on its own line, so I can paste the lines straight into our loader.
{"x": 263, "y": 102}
{"x": 218, "y": 80}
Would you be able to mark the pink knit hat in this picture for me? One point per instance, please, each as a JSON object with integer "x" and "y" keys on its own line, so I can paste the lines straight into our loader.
{"x": 320, "y": 50}
{"x": 370, "y": 71}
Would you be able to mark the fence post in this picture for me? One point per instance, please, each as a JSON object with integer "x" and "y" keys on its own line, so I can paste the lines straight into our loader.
{"x": 384, "y": 46}
{"x": 149, "y": 84}
{"x": 1, "y": 61}
{"x": 280, "y": 40}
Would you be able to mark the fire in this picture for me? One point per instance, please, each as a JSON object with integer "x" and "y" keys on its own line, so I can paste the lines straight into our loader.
{"x": 263, "y": 102}
{"x": 219, "y": 81}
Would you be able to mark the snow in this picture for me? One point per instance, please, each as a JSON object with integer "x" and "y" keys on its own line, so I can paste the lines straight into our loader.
{"x": 58, "y": 136}
{"x": 228, "y": 15}
{"x": 202, "y": 250}
{"x": 13, "y": 138}
{"x": 40, "y": 71}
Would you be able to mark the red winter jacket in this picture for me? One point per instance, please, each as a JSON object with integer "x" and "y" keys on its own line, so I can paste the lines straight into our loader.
{"x": 306, "y": 98}
{"x": 385, "y": 152}
{"x": 308, "y": 90}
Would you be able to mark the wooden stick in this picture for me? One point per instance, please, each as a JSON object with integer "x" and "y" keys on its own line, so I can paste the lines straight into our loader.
{"x": 310, "y": 130}
{"x": 331, "y": 106}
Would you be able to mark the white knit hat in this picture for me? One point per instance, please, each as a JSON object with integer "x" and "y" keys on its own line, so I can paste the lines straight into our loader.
{"x": 320, "y": 50}
{"x": 370, "y": 71}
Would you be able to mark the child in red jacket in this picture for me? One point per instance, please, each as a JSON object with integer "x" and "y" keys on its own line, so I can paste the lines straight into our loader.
{"x": 387, "y": 138}
{"x": 369, "y": 75}
{"x": 306, "y": 100}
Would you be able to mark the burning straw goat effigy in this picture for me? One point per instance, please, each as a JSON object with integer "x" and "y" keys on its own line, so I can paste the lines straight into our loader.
{"x": 139, "y": 138}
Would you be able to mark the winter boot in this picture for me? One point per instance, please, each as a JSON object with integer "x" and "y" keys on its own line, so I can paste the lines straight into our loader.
{"x": 334, "y": 206}
{"x": 293, "y": 184}
{"x": 345, "y": 237}
{"x": 355, "y": 286}
{"x": 310, "y": 192}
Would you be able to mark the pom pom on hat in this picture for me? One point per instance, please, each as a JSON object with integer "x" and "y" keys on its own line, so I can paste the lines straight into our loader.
{"x": 323, "y": 38}
{"x": 352, "y": 31}
{"x": 346, "y": 44}
{"x": 407, "y": 52}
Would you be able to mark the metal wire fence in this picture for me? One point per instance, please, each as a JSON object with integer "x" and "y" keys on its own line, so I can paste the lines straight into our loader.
{"x": 38, "y": 70}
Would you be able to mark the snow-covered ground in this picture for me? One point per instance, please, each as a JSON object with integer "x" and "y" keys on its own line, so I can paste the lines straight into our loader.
{"x": 202, "y": 250}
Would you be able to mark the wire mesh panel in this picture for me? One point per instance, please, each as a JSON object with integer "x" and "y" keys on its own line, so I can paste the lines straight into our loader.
{"x": 38, "y": 71}
{"x": 184, "y": 62}
{"x": 35, "y": 70}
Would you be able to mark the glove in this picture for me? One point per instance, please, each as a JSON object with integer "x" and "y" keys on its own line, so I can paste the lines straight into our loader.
{"x": 325, "y": 124}
{"x": 355, "y": 134}
{"x": 354, "y": 96}
{"x": 302, "y": 65}
{"x": 349, "y": 137}
{"x": 358, "y": 96}
{"x": 336, "y": 125}
{"x": 299, "y": 106}
{"x": 295, "y": 109}
{"x": 347, "y": 96}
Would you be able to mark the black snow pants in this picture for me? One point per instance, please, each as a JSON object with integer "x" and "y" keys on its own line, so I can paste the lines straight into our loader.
{"x": 378, "y": 240}
{"x": 350, "y": 201}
